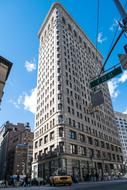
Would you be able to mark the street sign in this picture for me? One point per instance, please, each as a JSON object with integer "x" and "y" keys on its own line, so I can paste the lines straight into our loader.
{"x": 106, "y": 77}
{"x": 123, "y": 60}
{"x": 97, "y": 98}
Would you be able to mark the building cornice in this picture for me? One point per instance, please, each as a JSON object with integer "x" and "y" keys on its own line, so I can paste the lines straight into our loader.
{"x": 7, "y": 63}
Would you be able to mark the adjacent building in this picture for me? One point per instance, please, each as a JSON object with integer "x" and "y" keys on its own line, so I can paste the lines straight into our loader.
{"x": 16, "y": 147}
{"x": 5, "y": 67}
{"x": 121, "y": 122}
{"x": 67, "y": 138}
{"x": 23, "y": 158}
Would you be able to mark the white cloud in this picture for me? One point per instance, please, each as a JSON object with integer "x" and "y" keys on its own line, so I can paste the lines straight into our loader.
{"x": 114, "y": 25}
{"x": 125, "y": 112}
{"x": 123, "y": 78}
{"x": 30, "y": 65}
{"x": 17, "y": 103}
{"x": 14, "y": 103}
{"x": 28, "y": 101}
{"x": 20, "y": 99}
{"x": 100, "y": 38}
{"x": 113, "y": 84}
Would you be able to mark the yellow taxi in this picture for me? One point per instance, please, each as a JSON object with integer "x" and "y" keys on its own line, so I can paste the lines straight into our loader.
{"x": 62, "y": 180}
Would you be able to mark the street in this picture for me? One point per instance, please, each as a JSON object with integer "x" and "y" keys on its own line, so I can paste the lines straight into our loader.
{"x": 107, "y": 185}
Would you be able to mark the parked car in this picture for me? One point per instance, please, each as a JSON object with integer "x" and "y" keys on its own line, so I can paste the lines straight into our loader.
{"x": 63, "y": 180}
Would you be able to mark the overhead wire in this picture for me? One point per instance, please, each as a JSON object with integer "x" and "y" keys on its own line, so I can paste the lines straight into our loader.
{"x": 97, "y": 26}
{"x": 117, "y": 28}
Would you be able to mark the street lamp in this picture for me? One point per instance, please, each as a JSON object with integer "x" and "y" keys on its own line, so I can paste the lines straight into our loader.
{"x": 5, "y": 67}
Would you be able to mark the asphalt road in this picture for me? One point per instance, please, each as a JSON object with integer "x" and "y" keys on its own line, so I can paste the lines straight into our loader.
{"x": 108, "y": 185}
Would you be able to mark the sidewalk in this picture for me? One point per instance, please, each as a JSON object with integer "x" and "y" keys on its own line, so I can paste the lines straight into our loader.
{"x": 104, "y": 181}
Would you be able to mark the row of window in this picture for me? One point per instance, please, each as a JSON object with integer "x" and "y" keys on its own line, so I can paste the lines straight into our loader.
{"x": 80, "y": 150}
{"x": 81, "y": 137}
{"x": 40, "y": 142}
{"x": 45, "y": 128}
{"x": 48, "y": 138}
{"x": 92, "y": 153}
{"x": 77, "y": 37}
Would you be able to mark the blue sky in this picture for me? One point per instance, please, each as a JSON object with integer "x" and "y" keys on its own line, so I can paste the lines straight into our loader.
{"x": 20, "y": 22}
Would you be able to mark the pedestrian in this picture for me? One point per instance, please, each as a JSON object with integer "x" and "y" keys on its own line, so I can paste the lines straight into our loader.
{"x": 18, "y": 177}
{"x": 26, "y": 180}
{"x": 97, "y": 176}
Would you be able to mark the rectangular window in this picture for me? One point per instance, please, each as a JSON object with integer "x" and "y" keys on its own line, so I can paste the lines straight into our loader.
{"x": 90, "y": 141}
{"x": 60, "y": 119}
{"x": 72, "y": 135}
{"x": 61, "y": 147}
{"x": 73, "y": 149}
{"x": 82, "y": 137}
{"x": 45, "y": 150}
{"x": 59, "y": 96}
{"x": 96, "y": 142}
{"x": 83, "y": 150}
{"x": 69, "y": 27}
{"x": 52, "y": 135}
{"x": 68, "y": 108}
{"x": 63, "y": 20}
{"x": 102, "y": 144}
{"x": 52, "y": 148}
{"x": 40, "y": 142}
{"x": 91, "y": 153}
{"x": 73, "y": 123}
{"x": 35, "y": 156}
{"x": 59, "y": 87}
{"x": 60, "y": 106}
{"x": 36, "y": 144}
{"x": 58, "y": 70}
{"x": 61, "y": 132}
{"x": 45, "y": 139}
